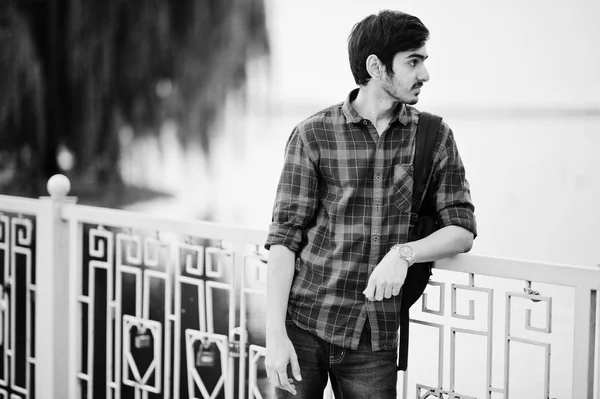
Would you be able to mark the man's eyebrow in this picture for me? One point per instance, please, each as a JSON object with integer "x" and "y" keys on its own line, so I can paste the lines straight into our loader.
{"x": 419, "y": 56}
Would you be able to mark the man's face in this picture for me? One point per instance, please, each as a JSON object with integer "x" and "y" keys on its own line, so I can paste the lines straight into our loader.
{"x": 404, "y": 83}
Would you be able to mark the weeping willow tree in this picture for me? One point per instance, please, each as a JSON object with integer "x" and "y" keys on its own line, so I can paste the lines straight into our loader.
{"x": 22, "y": 119}
{"x": 73, "y": 72}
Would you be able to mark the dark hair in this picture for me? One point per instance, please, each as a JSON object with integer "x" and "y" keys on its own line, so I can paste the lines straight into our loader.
{"x": 384, "y": 35}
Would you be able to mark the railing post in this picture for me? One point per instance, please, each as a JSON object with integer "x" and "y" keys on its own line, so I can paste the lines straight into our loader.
{"x": 52, "y": 293}
{"x": 597, "y": 381}
{"x": 584, "y": 345}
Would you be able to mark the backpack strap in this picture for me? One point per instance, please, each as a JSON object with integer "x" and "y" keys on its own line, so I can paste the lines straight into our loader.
{"x": 426, "y": 136}
{"x": 424, "y": 210}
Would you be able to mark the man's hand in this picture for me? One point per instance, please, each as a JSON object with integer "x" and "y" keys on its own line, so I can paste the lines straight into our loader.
{"x": 387, "y": 278}
{"x": 280, "y": 352}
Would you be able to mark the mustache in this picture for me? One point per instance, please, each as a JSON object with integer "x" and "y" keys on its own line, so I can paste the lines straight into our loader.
{"x": 418, "y": 85}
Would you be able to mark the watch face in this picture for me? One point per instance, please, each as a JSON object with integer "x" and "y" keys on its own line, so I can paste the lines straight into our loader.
{"x": 406, "y": 251}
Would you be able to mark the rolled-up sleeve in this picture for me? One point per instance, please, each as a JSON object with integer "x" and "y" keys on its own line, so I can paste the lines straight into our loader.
{"x": 297, "y": 195}
{"x": 453, "y": 197}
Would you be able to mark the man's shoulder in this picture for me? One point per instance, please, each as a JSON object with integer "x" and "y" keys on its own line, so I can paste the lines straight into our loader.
{"x": 415, "y": 116}
{"x": 330, "y": 115}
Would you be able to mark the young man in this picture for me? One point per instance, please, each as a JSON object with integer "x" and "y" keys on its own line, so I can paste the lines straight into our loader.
{"x": 339, "y": 240}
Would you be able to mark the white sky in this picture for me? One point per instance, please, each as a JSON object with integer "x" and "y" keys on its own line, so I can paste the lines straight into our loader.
{"x": 511, "y": 53}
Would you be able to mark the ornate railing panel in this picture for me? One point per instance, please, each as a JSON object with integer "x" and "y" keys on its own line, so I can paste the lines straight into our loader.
{"x": 17, "y": 305}
{"x": 98, "y": 303}
{"x": 501, "y": 337}
{"x": 18, "y": 282}
{"x": 158, "y": 306}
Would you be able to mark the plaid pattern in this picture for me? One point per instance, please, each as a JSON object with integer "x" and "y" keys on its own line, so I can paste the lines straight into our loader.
{"x": 343, "y": 199}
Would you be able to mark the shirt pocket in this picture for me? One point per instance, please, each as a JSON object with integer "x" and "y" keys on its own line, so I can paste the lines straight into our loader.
{"x": 403, "y": 186}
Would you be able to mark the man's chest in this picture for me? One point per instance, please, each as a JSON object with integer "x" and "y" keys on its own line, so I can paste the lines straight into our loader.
{"x": 361, "y": 158}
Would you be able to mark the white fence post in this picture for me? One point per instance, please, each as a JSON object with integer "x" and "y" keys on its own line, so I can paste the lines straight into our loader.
{"x": 52, "y": 293}
{"x": 584, "y": 345}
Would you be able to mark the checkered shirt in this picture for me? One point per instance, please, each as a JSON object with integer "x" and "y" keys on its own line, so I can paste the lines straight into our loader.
{"x": 343, "y": 200}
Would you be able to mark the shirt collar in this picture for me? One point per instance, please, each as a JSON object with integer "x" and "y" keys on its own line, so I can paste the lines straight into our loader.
{"x": 352, "y": 116}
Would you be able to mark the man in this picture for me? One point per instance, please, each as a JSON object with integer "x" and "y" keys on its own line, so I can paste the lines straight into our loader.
{"x": 339, "y": 250}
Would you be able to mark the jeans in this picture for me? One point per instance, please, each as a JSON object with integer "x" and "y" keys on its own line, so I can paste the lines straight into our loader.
{"x": 354, "y": 374}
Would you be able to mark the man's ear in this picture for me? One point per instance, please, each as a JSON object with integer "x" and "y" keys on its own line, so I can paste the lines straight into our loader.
{"x": 374, "y": 67}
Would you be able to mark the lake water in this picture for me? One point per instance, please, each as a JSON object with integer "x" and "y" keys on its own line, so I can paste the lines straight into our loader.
{"x": 534, "y": 180}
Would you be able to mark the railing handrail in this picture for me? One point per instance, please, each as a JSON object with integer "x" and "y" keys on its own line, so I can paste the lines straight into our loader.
{"x": 540, "y": 272}
{"x": 9, "y": 203}
{"x": 584, "y": 277}
{"x": 139, "y": 220}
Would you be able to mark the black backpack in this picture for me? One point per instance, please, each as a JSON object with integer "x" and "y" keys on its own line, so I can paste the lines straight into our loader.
{"x": 423, "y": 206}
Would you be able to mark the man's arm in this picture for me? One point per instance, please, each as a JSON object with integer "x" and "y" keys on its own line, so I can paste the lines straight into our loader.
{"x": 447, "y": 241}
{"x": 296, "y": 203}
{"x": 389, "y": 275}
{"x": 280, "y": 351}
{"x": 280, "y": 272}
{"x": 455, "y": 213}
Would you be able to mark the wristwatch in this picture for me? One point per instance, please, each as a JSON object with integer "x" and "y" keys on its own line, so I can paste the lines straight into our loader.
{"x": 406, "y": 252}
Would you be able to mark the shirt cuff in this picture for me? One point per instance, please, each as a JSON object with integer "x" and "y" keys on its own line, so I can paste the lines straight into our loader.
{"x": 286, "y": 235}
{"x": 462, "y": 216}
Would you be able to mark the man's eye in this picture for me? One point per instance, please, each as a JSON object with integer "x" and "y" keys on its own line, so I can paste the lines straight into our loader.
{"x": 412, "y": 63}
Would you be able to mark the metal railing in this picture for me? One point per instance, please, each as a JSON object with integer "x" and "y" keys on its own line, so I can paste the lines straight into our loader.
{"x": 101, "y": 303}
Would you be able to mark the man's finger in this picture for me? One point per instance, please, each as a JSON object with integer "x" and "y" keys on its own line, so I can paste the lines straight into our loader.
{"x": 369, "y": 291}
{"x": 388, "y": 292}
{"x": 270, "y": 370}
{"x": 295, "y": 366}
{"x": 274, "y": 379}
{"x": 284, "y": 381}
{"x": 396, "y": 290}
{"x": 379, "y": 291}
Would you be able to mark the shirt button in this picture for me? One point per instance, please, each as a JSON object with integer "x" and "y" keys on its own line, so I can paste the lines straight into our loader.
{"x": 377, "y": 208}
{"x": 366, "y": 122}
{"x": 376, "y": 238}
{"x": 377, "y": 177}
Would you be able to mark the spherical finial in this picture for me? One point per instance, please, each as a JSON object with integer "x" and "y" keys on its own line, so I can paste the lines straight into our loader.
{"x": 58, "y": 186}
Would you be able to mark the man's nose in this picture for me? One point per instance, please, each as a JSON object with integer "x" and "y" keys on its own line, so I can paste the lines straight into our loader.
{"x": 424, "y": 74}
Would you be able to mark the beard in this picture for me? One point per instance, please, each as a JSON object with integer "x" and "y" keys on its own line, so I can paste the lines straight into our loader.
{"x": 390, "y": 88}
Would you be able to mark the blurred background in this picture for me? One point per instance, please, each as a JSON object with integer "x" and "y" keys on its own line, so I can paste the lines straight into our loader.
{"x": 182, "y": 108}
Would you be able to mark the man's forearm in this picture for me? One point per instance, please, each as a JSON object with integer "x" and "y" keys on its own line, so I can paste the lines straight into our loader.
{"x": 280, "y": 272}
{"x": 447, "y": 241}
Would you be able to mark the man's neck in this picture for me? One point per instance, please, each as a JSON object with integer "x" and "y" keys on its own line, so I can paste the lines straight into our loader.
{"x": 374, "y": 106}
